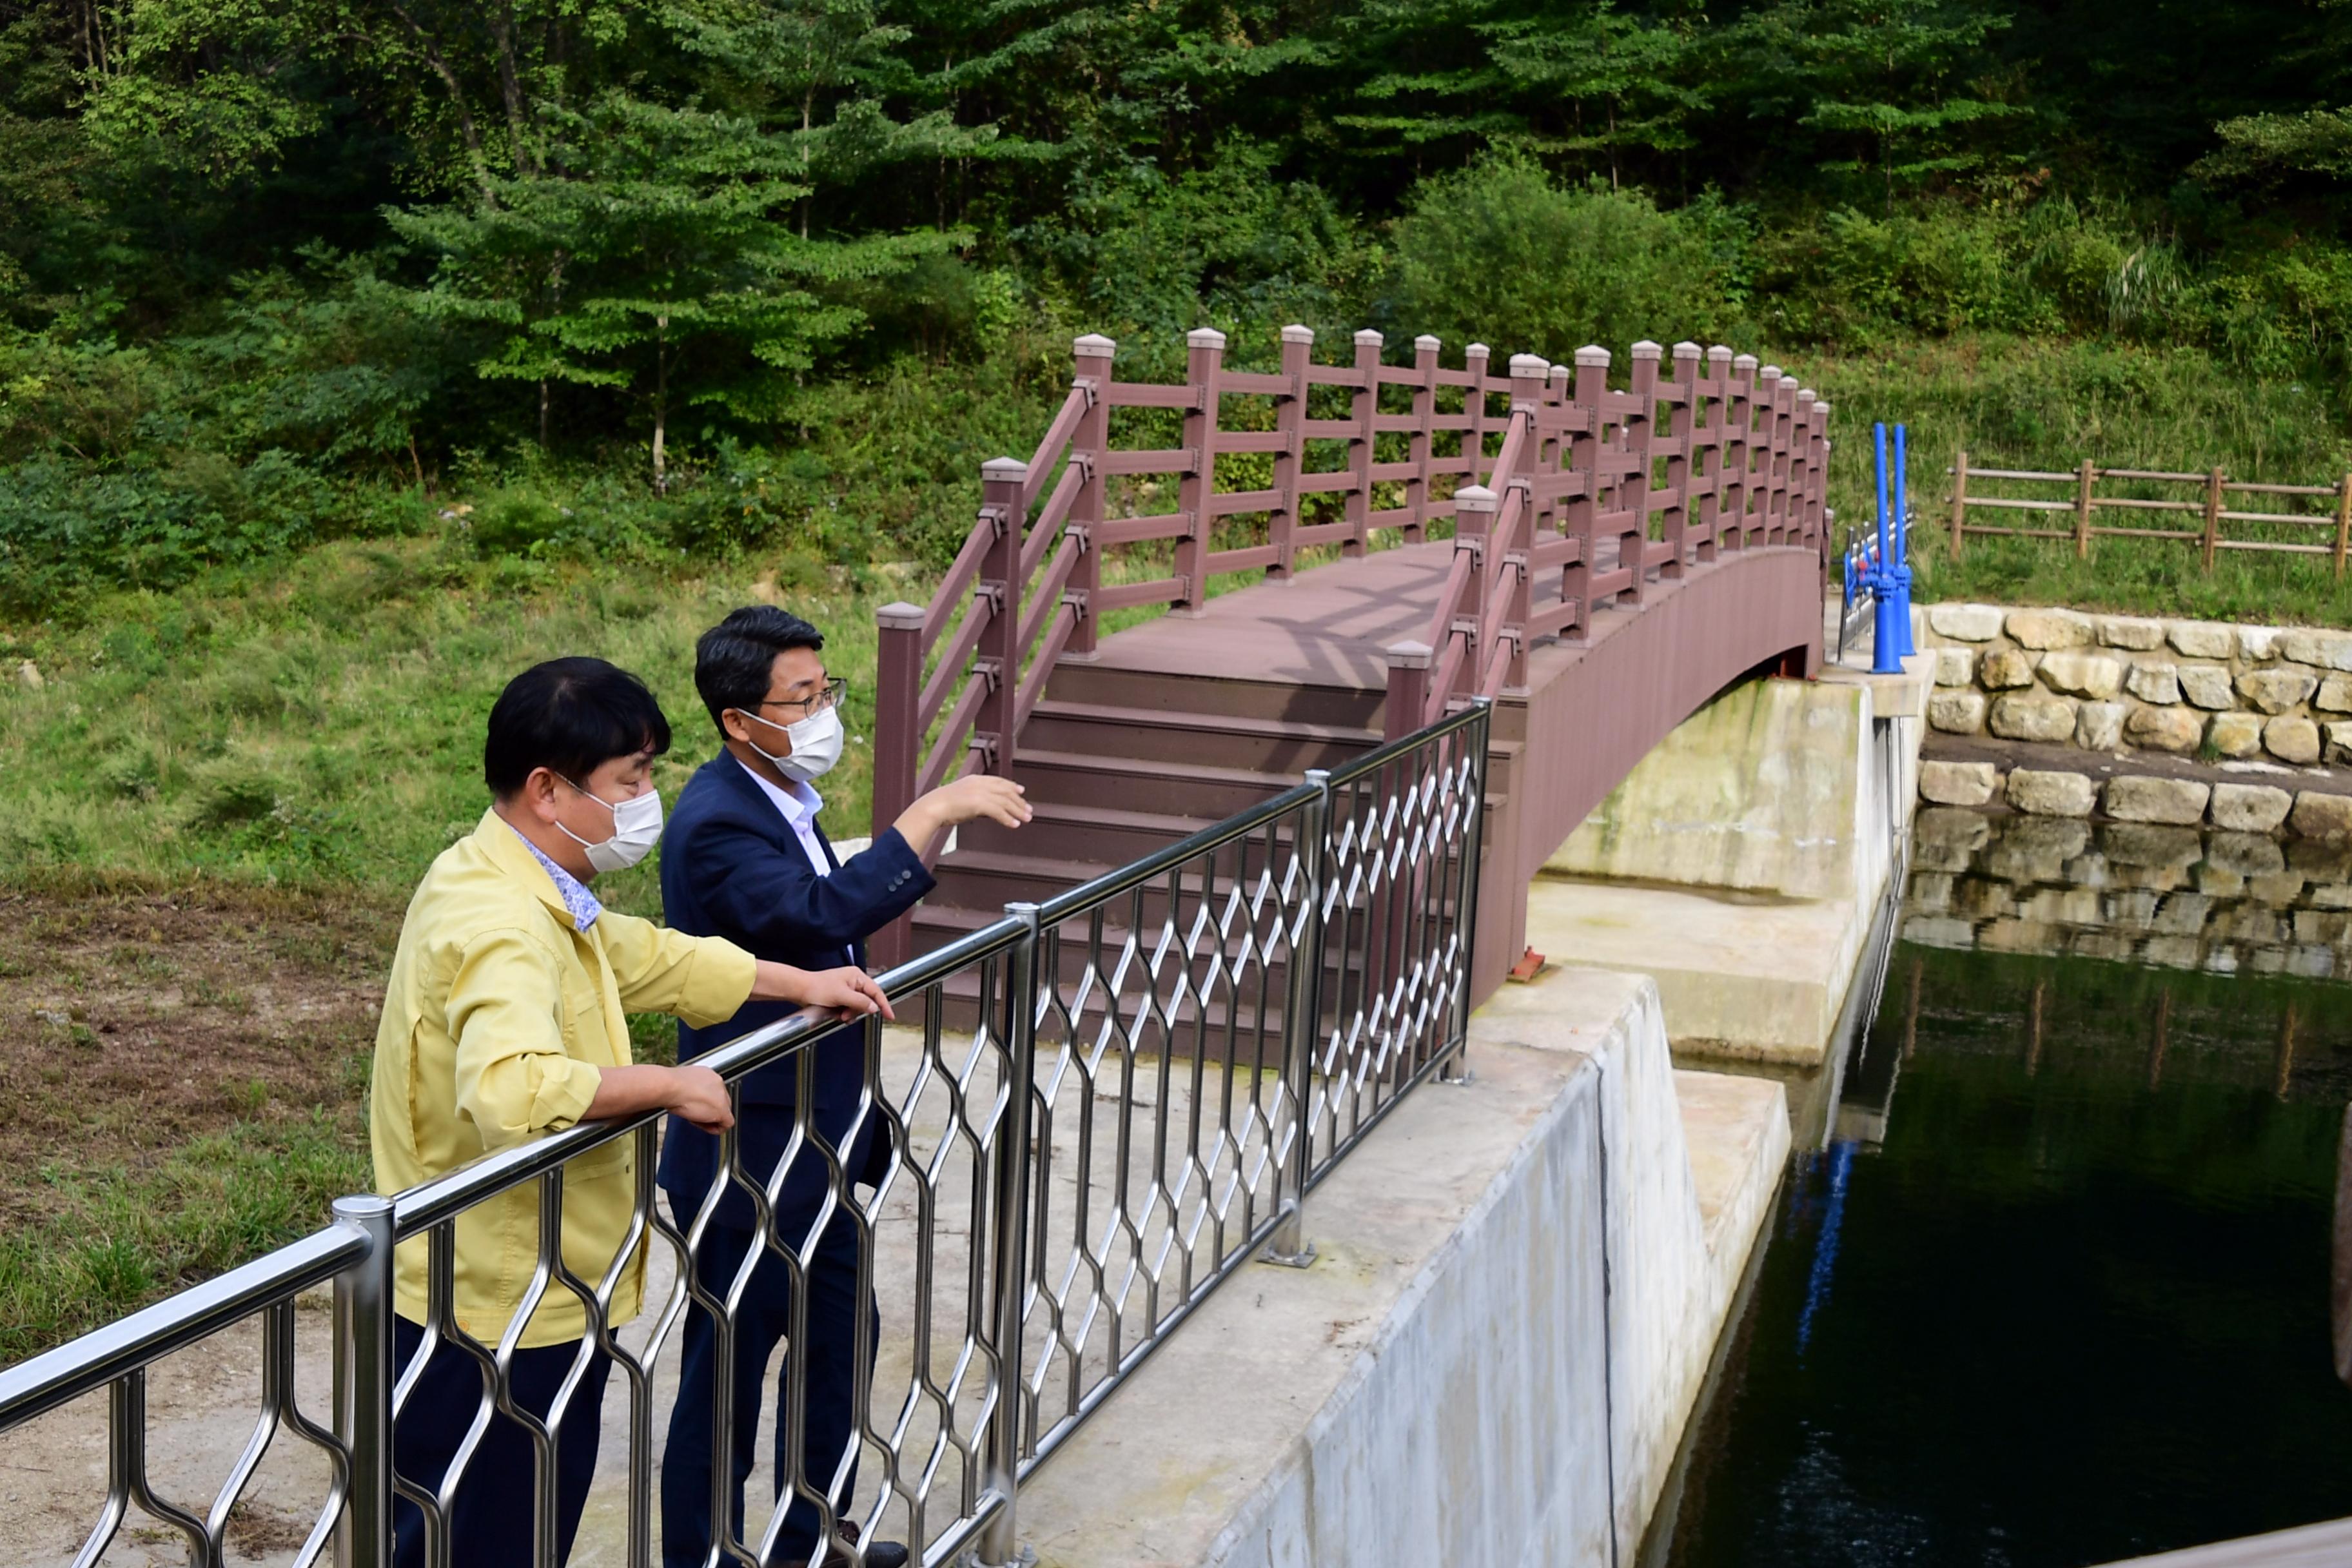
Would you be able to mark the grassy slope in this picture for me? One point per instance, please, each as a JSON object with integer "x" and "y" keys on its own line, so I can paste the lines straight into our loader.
{"x": 325, "y": 728}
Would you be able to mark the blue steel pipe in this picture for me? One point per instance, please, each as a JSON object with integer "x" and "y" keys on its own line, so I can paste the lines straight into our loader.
{"x": 1899, "y": 564}
{"x": 1885, "y": 642}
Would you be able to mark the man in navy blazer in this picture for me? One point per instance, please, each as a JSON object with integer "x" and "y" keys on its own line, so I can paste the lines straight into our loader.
{"x": 743, "y": 858}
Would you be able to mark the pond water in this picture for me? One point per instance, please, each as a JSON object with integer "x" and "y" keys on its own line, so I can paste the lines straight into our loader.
{"x": 2055, "y": 1286}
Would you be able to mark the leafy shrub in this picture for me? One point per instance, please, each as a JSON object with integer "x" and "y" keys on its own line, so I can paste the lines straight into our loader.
{"x": 1853, "y": 280}
{"x": 1500, "y": 253}
{"x": 1146, "y": 259}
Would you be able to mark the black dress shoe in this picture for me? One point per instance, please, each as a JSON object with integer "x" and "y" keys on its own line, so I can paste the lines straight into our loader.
{"x": 881, "y": 1554}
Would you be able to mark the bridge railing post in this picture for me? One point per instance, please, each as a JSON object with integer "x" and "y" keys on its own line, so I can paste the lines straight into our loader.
{"x": 1091, "y": 355}
{"x": 1785, "y": 446}
{"x": 898, "y": 746}
{"x": 1819, "y": 470}
{"x": 1741, "y": 498}
{"x": 1558, "y": 400}
{"x": 1002, "y": 481}
{"x": 1425, "y": 415}
{"x": 1290, "y": 420}
{"x": 1474, "y": 405}
{"x": 1583, "y": 508}
{"x": 1717, "y": 474}
{"x": 1638, "y": 498}
{"x": 1681, "y": 426}
{"x": 1407, "y": 706}
{"x": 1804, "y": 523}
{"x": 1772, "y": 471}
{"x": 1515, "y": 518}
{"x": 1473, "y": 529}
{"x": 1204, "y": 357}
{"x": 1364, "y": 405}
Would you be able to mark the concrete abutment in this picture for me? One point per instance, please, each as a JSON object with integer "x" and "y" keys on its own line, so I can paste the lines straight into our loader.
{"x": 1523, "y": 1278}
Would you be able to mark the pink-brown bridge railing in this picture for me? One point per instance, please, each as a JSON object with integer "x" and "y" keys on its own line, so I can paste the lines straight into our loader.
{"x": 1587, "y": 492}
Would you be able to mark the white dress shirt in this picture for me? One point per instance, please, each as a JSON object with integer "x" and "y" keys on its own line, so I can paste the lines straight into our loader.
{"x": 799, "y": 806}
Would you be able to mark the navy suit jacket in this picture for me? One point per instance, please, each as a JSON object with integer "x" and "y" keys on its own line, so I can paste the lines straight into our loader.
{"x": 732, "y": 867}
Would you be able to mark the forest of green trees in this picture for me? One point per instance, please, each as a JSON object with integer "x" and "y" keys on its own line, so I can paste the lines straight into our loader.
{"x": 682, "y": 275}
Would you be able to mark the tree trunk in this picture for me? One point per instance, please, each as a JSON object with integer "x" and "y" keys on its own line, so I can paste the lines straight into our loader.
{"x": 661, "y": 402}
{"x": 808, "y": 107}
{"x": 501, "y": 20}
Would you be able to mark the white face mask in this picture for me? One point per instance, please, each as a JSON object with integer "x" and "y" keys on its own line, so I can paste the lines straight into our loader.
{"x": 816, "y": 745}
{"x": 636, "y": 828}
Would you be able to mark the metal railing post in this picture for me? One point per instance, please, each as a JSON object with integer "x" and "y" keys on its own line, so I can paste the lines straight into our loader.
{"x": 364, "y": 1383}
{"x": 1008, "y": 1224}
{"x": 1302, "y": 1012}
{"x": 1455, "y": 1068}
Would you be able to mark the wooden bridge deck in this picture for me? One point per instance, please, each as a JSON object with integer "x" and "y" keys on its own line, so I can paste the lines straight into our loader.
{"x": 1328, "y": 627}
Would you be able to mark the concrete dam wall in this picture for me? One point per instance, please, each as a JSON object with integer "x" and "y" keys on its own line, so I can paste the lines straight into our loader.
{"x": 1522, "y": 1279}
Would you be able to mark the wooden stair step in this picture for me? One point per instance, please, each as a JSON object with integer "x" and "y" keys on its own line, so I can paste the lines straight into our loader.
{"x": 1237, "y": 740}
{"x": 1198, "y": 789}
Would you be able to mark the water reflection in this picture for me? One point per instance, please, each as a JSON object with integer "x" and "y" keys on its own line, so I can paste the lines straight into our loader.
{"x": 2133, "y": 892}
{"x": 2055, "y": 1283}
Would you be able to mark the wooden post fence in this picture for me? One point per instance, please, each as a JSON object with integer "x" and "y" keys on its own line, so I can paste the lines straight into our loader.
{"x": 2210, "y": 506}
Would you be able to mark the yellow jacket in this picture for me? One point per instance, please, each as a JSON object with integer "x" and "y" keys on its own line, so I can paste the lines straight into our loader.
{"x": 497, "y": 1020}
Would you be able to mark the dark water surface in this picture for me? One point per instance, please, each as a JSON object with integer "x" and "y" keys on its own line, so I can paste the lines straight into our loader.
{"x": 2057, "y": 1290}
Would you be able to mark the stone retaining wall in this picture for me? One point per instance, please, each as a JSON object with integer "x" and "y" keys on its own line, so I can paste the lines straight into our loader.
{"x": 2056, "y": 792}
{"x": 2114, "y": 683}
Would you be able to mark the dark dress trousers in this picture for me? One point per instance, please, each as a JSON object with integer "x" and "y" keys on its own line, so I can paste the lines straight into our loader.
{"x": 731, "y": 865}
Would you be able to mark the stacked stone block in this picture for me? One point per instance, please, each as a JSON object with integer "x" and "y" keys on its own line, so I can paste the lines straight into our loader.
{"x": 2121, "y": 683}
{"x": 2181, "y": 802}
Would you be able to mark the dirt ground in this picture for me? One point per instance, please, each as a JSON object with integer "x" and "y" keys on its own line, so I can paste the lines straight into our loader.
{"x": 147, "y": 1017}
{"x": 135, "y": 1021}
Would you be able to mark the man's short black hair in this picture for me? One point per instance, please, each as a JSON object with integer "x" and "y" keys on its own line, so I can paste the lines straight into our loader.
{"x": 571, "y": 716}
{"x": 733, "y": 660}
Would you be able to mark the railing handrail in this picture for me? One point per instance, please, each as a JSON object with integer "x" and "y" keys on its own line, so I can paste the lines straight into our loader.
{"x": 65, "y": 1372}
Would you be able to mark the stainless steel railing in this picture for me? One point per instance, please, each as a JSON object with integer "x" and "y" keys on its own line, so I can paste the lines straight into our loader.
{"x": 1099, "y": 1109}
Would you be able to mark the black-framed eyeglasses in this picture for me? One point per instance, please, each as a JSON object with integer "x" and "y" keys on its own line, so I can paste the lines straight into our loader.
{"x": 835, "y": 693}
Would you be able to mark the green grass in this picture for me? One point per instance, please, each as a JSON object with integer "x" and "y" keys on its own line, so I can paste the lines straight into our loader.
{"x": 108, "y": 1239}
{"x": 325, "y": 728}
{"x": 2022, "y": 405}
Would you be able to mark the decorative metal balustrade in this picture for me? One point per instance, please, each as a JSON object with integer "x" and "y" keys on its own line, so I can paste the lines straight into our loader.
{"x": 1097, "y": 1109}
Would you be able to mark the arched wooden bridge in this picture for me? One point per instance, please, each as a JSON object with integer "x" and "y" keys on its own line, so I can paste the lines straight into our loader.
{"x": 1616, "y": 558}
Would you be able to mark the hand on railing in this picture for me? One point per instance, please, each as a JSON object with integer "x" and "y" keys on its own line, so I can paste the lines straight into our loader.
{"x": 844, "y": 993}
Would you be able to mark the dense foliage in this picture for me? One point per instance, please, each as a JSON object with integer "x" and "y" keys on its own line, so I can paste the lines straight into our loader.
{"x": 273, "y": 273}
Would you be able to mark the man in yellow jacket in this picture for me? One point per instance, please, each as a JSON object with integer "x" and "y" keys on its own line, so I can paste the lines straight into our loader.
{"x": 504, "y": 1018}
